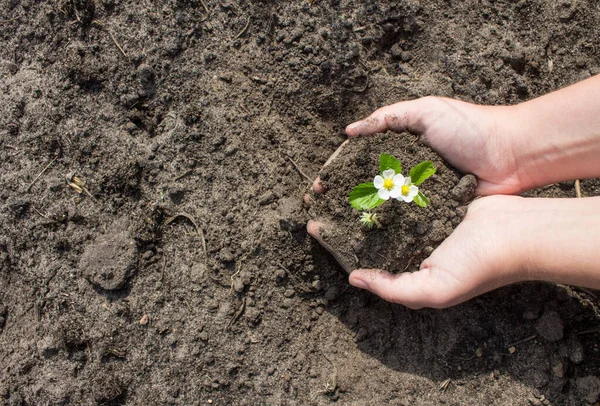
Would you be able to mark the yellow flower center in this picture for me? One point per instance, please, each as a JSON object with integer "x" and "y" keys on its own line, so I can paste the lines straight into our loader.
{"x": 388, "y": 183}
{"x": 405, "y": 190}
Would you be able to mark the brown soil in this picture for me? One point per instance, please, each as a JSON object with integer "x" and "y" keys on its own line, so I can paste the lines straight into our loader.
{"x": 407, "y": 233}
{"x": 186, "y": 119}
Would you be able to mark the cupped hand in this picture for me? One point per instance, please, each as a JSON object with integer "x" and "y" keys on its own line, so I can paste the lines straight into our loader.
{"x": 481, "y": 140}
{"x": 483, "y": 253}
{"x": 475, "y": 258}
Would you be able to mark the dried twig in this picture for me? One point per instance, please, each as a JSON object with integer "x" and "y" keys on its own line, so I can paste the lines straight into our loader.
{"x": 237, "y": 315}
{"x": 8, "y": 21}
{"x": 243, "y": 30}
{"x": 101, "y": 24}
{"x": 445, "y": 384}
{"x": 87, "y": 192}
{"x": 310, "y": 181}
{"x": 577, "y": 188}
{"x": 589, "y": 331}
{"x": 116, "y": 43}
{"x": 198, "y": 230}
{"x": 524, "y": 340}
{"x": 205, "y": 7}
{"x": 364, "y": 89}
{"x": 329, "y": 387}
{"x": 183, "y": 175}
{"x": 39, "y": 212}
{"x": 297, "y": 282}
{"x": 40, "y": 174}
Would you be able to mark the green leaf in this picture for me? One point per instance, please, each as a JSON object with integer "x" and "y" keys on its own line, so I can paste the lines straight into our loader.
{"x": 364, "y": 196}
{"x": 421, "y": 172}
{"x": 387, "y": 161}
{"x": 421, "y": 200}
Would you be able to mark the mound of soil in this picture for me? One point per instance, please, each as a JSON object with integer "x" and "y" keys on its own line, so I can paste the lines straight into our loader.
{"x": 408, "y": 233}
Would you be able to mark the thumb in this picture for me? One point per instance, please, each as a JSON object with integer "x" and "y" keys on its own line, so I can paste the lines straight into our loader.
{"x": 412, "y": 289}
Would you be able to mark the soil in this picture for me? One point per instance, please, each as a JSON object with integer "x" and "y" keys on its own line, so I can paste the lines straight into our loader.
{"x": 407, "y": 233}
{"x": 183, "y": 274}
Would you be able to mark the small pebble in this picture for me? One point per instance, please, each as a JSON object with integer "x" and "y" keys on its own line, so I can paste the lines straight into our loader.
{"x": 238, "y": 285}
{"x": 465, "y": 189}
{"x": 558, "y": 370}
{"x": 550, "y": 326}
{"x": 144, "y": 320}
{"x": 226, "y": 255}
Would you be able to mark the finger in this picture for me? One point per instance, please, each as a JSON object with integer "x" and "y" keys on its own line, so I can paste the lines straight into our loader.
{"x": 315, "y": 228}
{"x": 317, "y": 186}
{"x": 415, "y": 289}
{"x": 399, "y": 117}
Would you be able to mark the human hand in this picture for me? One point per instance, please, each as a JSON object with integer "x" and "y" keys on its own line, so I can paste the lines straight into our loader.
{"x": 484, "y": 252}
{"x": 502, "y": 239}
{"x": 474, "y": 139}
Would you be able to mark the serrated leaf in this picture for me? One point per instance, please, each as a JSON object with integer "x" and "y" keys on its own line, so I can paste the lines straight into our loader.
{"x": 421, "y": 172}
{"x": 387, "y": 161}
{"x": 421, "y": 200}
{"x": 364, "y": 197}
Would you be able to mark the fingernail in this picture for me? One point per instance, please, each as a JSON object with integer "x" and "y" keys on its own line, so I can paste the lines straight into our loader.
{"x": 359, "y": 283}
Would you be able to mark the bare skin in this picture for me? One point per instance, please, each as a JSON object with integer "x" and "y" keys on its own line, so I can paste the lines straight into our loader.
{"x": 503, "y": 239}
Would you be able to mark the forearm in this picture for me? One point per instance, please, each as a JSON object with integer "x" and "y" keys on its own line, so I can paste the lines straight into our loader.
{"x": 560, "y": 241}
{"x": 558, "y": 137}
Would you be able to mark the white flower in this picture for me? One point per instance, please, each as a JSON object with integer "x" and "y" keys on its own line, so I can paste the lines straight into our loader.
{"x": 408, "y": 191}
{"x": 389, "y": 185}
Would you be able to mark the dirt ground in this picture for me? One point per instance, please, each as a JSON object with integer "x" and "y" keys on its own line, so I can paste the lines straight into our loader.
{"x": 182, "y": 272}
{"x": 415, "y": 231}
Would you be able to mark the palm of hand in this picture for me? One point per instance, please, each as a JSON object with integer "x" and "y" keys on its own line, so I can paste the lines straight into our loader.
{"x": 468, "y": 263}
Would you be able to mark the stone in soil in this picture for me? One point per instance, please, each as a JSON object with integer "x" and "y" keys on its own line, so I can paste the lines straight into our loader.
{"x": 550, "y": 326}
{"x": 110, "y": 260}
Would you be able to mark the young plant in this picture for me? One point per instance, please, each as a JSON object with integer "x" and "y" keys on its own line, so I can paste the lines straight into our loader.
{"x": 369, "y": 220}
{"x": 390, "y": 184}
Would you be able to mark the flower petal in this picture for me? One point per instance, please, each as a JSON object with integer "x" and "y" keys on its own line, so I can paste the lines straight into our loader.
{"x": 413, "y": 191}
{"x": 407, "y": 198}
{"x": 396, "y": 191}
{"x": 407, "y": 181}
{"x": 398, "y": 179}
{"x": 378, "y": 182}
{"x": 388, "y": 173}
{"x": 383, "y": 193}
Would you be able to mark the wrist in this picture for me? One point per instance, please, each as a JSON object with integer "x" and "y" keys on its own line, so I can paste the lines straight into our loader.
{"x": 557, "y": 137}
{"x": 504, "y": 233}
{"x": 524, "y": 145}
{"x": 510, "y": 141}
{"x": 560, "y": 241}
